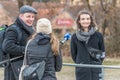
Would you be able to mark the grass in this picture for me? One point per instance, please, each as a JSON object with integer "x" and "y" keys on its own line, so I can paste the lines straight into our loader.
{"x": 67, "y": 72}
{"x": 112, "y": 61}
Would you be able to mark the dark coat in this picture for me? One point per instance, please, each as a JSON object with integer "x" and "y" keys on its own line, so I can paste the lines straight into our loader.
{"x": 80, "y": 55}
{"x": 14, "y": 49}
{"x": 39, "y": 49}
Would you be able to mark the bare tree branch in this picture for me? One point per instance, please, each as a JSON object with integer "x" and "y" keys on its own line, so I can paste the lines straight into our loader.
{"x": 103, "y": 7}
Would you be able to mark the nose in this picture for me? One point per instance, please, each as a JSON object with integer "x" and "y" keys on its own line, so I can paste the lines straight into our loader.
{"x": 32, "y": 18}
{"x": 86, "y": 20}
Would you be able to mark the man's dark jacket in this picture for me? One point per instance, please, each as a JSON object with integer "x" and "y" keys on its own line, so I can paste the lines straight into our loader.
{"x": 14, "y": 48}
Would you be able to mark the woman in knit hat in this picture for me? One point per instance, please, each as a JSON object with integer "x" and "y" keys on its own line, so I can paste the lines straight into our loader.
{"x": 45, "y": 46}
{"x": 84, "y": 42}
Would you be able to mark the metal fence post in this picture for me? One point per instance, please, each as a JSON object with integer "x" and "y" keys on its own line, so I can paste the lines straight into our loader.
{"x": 102, "y": 74}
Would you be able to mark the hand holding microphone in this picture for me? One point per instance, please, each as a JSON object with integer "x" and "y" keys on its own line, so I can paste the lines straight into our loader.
{"x": 67, "y": 36}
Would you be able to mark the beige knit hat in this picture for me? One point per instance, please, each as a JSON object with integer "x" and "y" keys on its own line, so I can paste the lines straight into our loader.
{"x": 44, "y": 26}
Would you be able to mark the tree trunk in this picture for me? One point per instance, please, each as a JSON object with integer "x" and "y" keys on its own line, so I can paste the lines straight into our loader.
{"x": 29, "y": 2}
{"x": 20, "y": 3}
{"x": 104, "y": 26}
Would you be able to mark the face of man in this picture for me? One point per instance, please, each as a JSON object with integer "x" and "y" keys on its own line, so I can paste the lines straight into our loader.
{"x": 28, "y": 18}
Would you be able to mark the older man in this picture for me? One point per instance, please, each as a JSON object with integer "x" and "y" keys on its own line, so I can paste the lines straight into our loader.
{"x": 15, "y": 47}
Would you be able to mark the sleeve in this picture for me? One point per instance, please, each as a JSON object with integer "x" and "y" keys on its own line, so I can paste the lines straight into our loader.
{"x": 10, "y": 44}
{"x": 102, "y": 46}
{"x": 58, "y": 60}
{"x": 73, "y": 48}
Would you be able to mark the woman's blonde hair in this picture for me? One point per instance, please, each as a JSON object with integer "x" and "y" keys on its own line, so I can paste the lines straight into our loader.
{"x": 54, "y": 43}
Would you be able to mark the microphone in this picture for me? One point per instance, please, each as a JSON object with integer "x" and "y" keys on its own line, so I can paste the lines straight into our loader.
{"x": 67, "y": 36}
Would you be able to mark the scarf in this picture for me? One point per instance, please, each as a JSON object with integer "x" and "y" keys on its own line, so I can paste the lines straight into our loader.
{"x": 85, "y": 36}
{"x": 29, "y": 29}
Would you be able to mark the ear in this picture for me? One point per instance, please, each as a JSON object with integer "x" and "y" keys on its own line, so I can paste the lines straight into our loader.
{"x": 20, "y": 15}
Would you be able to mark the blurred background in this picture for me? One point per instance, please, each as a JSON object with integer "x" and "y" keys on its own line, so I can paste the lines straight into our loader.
{"x": 62, "y": 14}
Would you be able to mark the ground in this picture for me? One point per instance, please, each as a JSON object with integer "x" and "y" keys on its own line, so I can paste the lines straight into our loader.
{"x": 67, "y": 72}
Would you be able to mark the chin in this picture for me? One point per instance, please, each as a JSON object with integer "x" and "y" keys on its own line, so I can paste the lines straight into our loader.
{"x": 29, "y": 24}
{"x": 86, "y": 26}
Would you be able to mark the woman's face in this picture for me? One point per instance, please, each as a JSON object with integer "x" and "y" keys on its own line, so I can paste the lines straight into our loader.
{"x": 85, "y": 20}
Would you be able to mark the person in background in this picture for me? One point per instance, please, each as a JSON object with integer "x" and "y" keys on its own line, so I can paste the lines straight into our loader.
{"x": 85, "y": 37}
{"x": 12, "y": 46}
{"x": 45, "y": 46}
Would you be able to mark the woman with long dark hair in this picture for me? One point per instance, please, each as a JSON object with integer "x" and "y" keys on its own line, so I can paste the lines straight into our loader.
{"x": 83, "y": 40}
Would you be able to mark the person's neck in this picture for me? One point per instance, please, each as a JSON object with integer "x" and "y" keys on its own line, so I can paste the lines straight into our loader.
{"x": 85, "y": 29}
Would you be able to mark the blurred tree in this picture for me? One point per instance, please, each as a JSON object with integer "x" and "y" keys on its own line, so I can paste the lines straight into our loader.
{"x": 44, "y": 0}
{"x": 104, "y": 8}
{"x": 23, "y": 2}
{"x": 29, "y": 2}
{"x": 20, "y": 3}
{"x": 108, "y": 8}
{"x": 111, "y": 22}
{"x": 55, "y": 0}
{"x": 48, "y": 0}
{"x": 87, "y": 5}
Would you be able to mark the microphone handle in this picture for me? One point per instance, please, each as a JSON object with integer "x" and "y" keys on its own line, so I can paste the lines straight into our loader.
{"x": 63, "y": 41}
